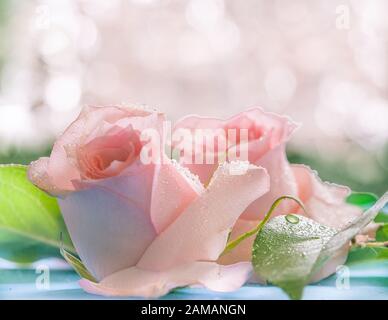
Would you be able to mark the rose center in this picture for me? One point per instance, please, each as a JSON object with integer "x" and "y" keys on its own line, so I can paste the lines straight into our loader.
{"x": 254, "y": 132}
{"x": 109, "y": 155}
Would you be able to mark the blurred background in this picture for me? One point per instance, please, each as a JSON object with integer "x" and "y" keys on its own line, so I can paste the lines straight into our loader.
{"x": 324, "y": 63}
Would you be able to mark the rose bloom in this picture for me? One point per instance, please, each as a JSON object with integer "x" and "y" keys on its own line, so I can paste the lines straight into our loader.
{"x": 143, "y": 229}
{"x": 268, "y": 134}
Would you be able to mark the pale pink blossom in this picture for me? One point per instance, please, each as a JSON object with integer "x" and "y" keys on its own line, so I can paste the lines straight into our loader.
{"x": 268, "y": 134}
{"x": 143, "y": 229}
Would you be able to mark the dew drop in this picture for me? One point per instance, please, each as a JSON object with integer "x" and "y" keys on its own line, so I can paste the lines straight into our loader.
{"x": 292, "y": 218}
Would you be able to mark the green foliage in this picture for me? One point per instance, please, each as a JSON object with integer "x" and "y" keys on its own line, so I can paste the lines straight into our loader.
{"x": 355, "y": 176}
{"x": 30, "y": 220}
{"x": 77, "y": 265}
{"x": 362, "y": 199}
{"x": 14, "y": 155}
{"x": 367, "y": 254}
{"x": 286, "y": 249}
{"x": 290, "y": 249}
{"x": 4, "y": 17}
{"x": 382, "y": 233}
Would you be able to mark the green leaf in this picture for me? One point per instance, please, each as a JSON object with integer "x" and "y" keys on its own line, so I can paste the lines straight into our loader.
{"x": 289, "y": 253}
{"x": 382, "y": 216}
{"x": 30, "y": 220}
{"x": 367, "y": 254}
{"x": 362, "y": 199}
{"x": 382, "y": 233}
{"x": 366, "y": 200}
{"x": 344, "y": 236}
{"x": 286, "y": 250}
{"x": 77, "y": 265}
{"x": 234, "y": 243}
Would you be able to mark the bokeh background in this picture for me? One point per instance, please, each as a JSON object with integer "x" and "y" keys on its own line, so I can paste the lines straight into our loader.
{"x": 325, "y": 63}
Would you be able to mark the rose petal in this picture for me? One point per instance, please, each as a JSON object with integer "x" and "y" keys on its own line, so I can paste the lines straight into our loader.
{"x": 332, "y": 264}
{"x": 268, "y": 121}
{"x": 267, "y": 151}
{"x": 60, "y": 169}
{"x": 63, "y": 170}
{"x": 243, "y": 252}
{"x": 198, "y": 122}
{"x": 324, "y": 202}
{"x": 109, "y": 220}
{"x": 202, "y": 229}
{"x": 203, "y": 171}
{"x": 173, "y": 190}
{"x": 144, "y": 283}
{"x": 38, "y": 175}
{"x": 282, "y": 182}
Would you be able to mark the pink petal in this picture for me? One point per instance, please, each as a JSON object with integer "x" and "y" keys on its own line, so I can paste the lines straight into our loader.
{"x": 204, "y": 171}
{"x": 282, "y": 183}
{"x": 198, "y": 122}
{"x": 192, "y": 122}
{"x": 173, "y": 190}
{"x": 243, "y": 252}
{"x": 268, "y": 152}
{"x": 324, "y": 202}
{"x": 138, "y": 119}
{"x": 201, "y": 231}
{"x": 60, "y": 169}
{"x": 109, "y": 220}
{"x": 87, "y": 126}
{"x": 267, "y": 120}
{"x": 278, "y": 127}
{"x": 331, "y": 266}
{"x": 144, "y": 283}
{"x": 38, "y": 175}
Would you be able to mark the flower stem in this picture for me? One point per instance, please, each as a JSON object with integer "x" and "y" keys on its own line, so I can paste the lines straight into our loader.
{"x": 373, "y": 244}
{"x": 234, "y": 243}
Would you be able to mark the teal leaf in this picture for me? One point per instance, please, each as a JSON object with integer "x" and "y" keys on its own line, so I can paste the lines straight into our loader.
{"x": 289, "y": 254}
{"x": 30, "y": 220}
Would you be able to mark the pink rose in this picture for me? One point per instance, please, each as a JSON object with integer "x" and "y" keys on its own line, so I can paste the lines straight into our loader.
{"x": 267, "y": 137}
{"x": 143, "y": 229}
{"x": 268, "y": 134}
